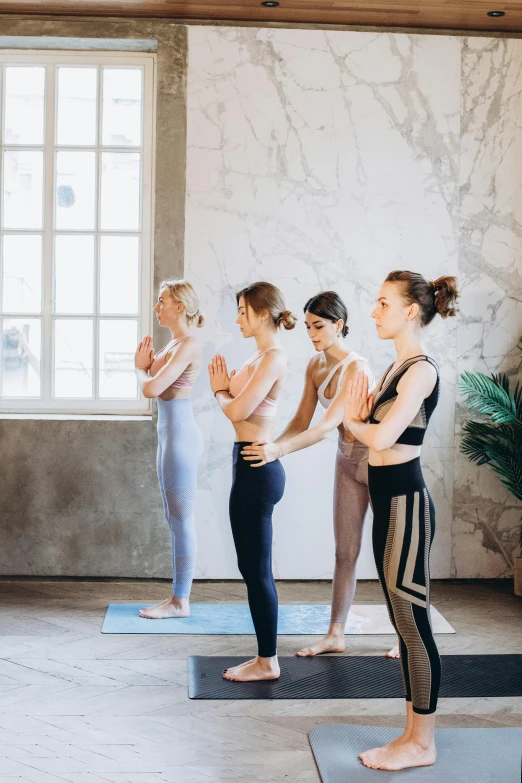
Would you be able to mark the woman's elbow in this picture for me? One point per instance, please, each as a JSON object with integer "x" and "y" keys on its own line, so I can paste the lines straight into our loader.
{"x": 147, "y": 391}
{"x": 381, "y": 442}
{"x": 233, "y": 414}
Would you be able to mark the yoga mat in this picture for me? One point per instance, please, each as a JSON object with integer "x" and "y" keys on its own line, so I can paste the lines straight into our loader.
{"x": 294, "y": 619}
{"x": 355, "y": 677}
{"x": 463, "y": 755}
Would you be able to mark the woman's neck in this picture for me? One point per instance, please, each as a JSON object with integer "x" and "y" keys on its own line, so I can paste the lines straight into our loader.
{"x": 266, "y": 340}
{"x": 408, "y": 344}
{"x": 178, "y": 331}
{"x": 336, "y": 352}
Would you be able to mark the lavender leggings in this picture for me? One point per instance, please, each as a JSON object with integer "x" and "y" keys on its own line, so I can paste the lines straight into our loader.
{"x": 351, "y": 500}
{"x": 180, "y": 448}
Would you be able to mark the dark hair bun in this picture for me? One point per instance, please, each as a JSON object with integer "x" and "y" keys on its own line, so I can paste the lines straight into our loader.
{"x": 287, "y": 319}
{"x": 446, "y": 295}
{"x": 329, "y": 305}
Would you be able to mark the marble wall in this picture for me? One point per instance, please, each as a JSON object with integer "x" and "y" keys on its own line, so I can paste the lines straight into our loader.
{"x": 486, "y": 519}
{"x": 324, "y": 159}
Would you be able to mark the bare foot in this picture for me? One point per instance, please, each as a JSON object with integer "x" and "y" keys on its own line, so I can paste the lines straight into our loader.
{"x": 399, "y": 755}
{"x": 172, "y": 607}
{"x": 241, "y": 665}
{"x": 155, "y": 606}
{"x": 251, "y": 671}
{"x": 330, "y": 644}
{"x": 394, "y": 652}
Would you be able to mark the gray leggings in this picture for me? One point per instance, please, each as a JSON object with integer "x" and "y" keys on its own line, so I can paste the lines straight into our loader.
{"x": 350, "y": 504}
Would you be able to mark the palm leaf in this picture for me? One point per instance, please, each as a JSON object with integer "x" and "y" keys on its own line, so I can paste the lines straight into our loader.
{"x": 486, "y": 445}
{"x": 489, "y": 396}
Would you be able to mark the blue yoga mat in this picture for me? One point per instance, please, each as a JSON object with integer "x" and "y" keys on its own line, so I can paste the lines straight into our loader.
{"x": 294, "y": 620}
{"x": 217, "y": 619}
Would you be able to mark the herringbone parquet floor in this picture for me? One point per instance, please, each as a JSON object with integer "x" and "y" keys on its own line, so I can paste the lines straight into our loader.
{"x": 79, "y": 706}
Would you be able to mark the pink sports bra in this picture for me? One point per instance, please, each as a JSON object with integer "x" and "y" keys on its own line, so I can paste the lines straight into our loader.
{"x": 188, "y": 376}
{"x": 268, "y": 406}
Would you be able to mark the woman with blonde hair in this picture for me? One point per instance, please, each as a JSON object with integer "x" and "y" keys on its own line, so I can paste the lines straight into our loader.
{"x": 249, "y": 399}
{"x": 168, "y": 376}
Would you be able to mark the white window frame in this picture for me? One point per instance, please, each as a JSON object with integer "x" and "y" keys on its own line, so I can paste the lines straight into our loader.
{"x": 46, "y": 404}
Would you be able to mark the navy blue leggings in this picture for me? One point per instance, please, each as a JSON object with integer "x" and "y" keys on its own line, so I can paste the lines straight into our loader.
{"x": 255, "y": 491}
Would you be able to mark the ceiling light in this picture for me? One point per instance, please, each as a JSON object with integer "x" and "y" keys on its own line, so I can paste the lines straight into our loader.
{"x": 496, "y": 13}
{"x": 270, "y": 4}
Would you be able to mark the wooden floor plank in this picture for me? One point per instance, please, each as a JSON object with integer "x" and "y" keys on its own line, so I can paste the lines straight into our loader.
{"x": 80, "y": 706}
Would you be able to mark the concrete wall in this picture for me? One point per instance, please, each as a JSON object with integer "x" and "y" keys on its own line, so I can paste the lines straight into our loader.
{"x": 80, "y": 497}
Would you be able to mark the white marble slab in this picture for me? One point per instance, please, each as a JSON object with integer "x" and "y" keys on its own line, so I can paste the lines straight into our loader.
{"x": 486, "y": 518}
{"x": 318, "y": 160}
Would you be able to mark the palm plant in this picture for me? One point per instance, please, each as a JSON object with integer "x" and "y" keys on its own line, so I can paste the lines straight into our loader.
{"x": 496, "y": 440}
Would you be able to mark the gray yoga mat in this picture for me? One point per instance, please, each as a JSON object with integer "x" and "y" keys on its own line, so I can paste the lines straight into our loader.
{"x": 463, "y": 755}
{"x": 355, "y": 677}
{"x": 294, "y": 620}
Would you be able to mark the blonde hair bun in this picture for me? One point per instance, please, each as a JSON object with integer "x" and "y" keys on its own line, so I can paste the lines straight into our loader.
{"x": 184, "y": 292}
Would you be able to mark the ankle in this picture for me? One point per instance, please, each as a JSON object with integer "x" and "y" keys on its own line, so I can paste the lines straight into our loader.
{"x": 268, "y": 663}
{"x": 336, "y": 630}
{"x": 180, "y": 603}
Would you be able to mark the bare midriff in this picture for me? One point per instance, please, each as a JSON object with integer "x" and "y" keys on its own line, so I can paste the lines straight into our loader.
{"x": 176, "y": 394}
{"x": 255, "y": 428}
{"x": 396, "y": 455}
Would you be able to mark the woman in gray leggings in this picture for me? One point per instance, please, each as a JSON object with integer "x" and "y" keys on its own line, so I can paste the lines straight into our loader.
{"x": 326, "y": 377}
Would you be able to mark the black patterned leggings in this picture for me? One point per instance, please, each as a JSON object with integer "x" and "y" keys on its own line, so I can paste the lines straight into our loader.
{"x": 403, "y": 529}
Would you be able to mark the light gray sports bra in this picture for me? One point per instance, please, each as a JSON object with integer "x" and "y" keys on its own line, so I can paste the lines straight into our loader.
{"x": 353, "y": 356}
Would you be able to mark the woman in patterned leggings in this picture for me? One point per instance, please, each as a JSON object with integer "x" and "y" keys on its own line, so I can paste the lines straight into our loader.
{"x": 392, "y": 422}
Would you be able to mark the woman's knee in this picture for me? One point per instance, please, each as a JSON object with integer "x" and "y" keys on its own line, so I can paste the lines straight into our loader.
{"x": 346, "y": 556}
{"x": 255, "y": 575}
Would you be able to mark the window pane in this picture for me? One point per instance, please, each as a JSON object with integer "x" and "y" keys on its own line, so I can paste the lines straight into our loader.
{"x": 77, "y": 106}
{"x": 23, "y": 172}
{"x": 118, "y": 341}
{"x": 119, "y": 275}
{"x": 75, "y": 183}
{"x": 73, "y": 358}
{"x": 24, "y": 105}
{"x": 22, "y": 274}
{"x": 121, "y": 117}
{"x": 120, "y": 191}
{"x": 74, "y": 274}
{"x": 21, "y": 347}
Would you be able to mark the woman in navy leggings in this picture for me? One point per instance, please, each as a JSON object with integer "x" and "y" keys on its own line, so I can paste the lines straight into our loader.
{"x": 248, "y": 398}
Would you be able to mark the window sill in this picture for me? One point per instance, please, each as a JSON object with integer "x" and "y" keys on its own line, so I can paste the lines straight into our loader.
{"x": 76, "y": 416}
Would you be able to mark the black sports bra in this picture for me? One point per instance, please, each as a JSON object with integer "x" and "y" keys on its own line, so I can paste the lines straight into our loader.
{"x": 386, "y": 395}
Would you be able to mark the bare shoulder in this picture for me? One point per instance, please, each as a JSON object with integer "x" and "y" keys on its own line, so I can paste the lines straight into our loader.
{"x": 420, "y": 374}
{"x": 313, "y": 365}
{"x": 355, "y": 367}
{"x": 189, "y": 348}
{"x": 276, "y": 358}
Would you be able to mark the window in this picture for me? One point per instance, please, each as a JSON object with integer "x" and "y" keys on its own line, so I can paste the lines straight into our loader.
{"x": 75, "y": 229}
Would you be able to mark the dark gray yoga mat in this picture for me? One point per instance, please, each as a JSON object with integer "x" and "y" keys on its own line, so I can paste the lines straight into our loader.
{"x": 355, "y": 677}
{"x": 463, "y": 755}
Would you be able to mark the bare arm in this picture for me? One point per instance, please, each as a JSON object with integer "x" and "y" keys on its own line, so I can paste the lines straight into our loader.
{"x": 333, "y": 417}
{"x": 306, "y": 409}
{"x": 416, "y": 384}
{"x": 179, "y": 360}
{"x": 267, "y": 371}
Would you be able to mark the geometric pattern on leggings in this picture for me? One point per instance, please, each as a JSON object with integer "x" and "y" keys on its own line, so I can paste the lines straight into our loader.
{"x": 180, "y": 502}
{"x": 400, "y": 576}
{"x": 404, "y": 592}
